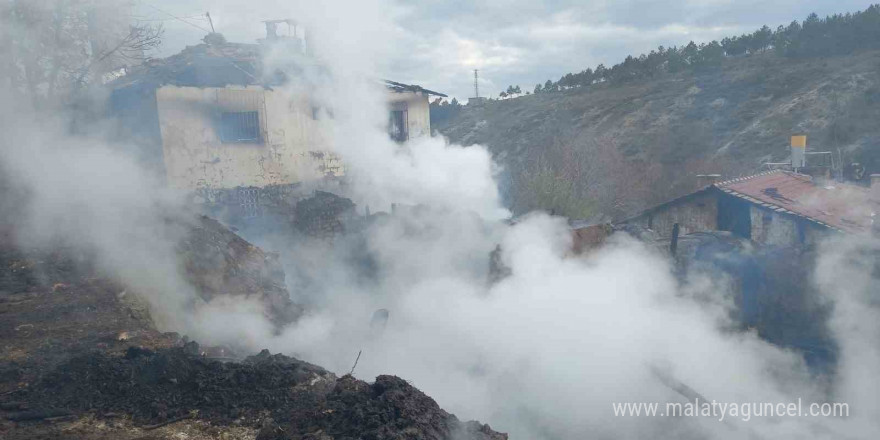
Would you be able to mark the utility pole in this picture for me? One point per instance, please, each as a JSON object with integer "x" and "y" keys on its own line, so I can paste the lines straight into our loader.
{"x": 476, "y": 85}
{"x": 208, "y": 14}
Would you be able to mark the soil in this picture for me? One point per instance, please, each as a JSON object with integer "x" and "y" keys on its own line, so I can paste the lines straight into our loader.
{"x": 218, "y": 262}
{"x": 284, "y": 397}
{"x": 81, "y": 359}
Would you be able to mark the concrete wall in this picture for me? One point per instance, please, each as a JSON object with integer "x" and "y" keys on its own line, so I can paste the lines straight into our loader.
{"x": 700, "y": 213}
{"x": 695, "y": 214}
{"x": 292, "y": 150}
{"x": 775, "y": 229}
{"x": 418, "y": 111}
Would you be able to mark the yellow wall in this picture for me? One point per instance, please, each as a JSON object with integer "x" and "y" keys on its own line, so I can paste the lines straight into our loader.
{"x": 292, "y": 150}
{"x": 418, "y": 112}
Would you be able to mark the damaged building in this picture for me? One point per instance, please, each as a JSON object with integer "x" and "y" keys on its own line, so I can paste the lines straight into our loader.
{"x": 758, "y": 238}
{"x": 213, "y": 120}
{"x": 776, "y": 208}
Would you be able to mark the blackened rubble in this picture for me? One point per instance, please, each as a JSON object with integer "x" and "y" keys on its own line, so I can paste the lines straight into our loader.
{"x": 80, "y": 347}
{"x": 218, "y": 262}
{"x": 323, "y": 215}
{"x": 285, "y": 397}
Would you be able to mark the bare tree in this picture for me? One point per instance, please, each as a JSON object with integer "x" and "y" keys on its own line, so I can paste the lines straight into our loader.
{"x": 52, "y": 49}
{"x": 594, "y": 178}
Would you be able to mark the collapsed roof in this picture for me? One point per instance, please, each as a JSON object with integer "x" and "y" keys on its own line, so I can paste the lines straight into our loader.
{"x": 218, "y": 63}
{"x": 400, "y": 87}
{"x": 203, "y": 65}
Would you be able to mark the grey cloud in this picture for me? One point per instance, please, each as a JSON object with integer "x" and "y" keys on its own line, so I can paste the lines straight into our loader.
{"x": 519, "y": 41}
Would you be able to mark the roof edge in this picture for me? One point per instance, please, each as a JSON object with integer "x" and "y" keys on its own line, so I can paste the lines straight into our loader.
{"x": 414, "y": 88}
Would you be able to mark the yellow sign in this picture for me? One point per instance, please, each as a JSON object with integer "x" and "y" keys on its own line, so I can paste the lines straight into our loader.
{"x": 799, "y": 142}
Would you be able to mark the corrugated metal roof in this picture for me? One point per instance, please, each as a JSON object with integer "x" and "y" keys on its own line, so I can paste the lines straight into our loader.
{"x": 399, "y": 87}
{"x": 841, "y": 206}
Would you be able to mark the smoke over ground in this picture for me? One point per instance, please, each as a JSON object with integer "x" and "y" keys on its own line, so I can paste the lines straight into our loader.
{"x": 84, "y": 194}
{"x": 542, "y": 353}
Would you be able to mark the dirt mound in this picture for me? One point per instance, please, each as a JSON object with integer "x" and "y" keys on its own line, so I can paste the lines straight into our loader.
{"x": 218, "y": 262}
{"x": 391, "y": 408}
{"x": 284, "y": 397}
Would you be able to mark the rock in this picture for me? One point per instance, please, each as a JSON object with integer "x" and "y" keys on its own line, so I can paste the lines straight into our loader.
{"x": 322, "y": 215}
{"x": 218, "y": 262}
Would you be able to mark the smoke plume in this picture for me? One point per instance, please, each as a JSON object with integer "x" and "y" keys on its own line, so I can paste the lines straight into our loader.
{"x": 542, "y": 353}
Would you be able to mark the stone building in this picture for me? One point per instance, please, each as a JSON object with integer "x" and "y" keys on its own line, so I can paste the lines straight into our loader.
{"x": 777, "y": 208}
{"x": 215, "y": 120}
{"x": 214, "y": 117}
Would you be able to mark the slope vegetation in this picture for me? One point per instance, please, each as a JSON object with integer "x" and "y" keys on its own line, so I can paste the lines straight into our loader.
{"x": 612, "y": 150}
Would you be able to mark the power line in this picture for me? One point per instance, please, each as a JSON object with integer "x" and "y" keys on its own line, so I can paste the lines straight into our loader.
{"x": 203, "y": 29}
{"x": 177, "y": 18}
{"x": 148, "y": 19}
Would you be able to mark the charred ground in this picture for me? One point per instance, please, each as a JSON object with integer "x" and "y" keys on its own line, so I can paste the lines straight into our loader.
{"x": 82, "y": 359}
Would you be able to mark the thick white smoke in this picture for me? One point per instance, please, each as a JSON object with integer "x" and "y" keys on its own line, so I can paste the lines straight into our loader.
{"x": 353, "y": 41}
{"x": 545, "y": 352}
{"x": 847, "y": 274}
{"x": 85, "y": 194}
{"x": 542, "y": 353}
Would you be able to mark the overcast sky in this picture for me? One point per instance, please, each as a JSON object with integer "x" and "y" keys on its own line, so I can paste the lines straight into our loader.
{"x": 515, "y": 42}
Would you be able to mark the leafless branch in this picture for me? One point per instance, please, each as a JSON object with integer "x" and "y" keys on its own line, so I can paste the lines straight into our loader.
{"x": 355, "y": 363}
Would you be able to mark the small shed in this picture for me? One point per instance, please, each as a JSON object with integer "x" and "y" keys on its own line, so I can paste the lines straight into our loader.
{"x": 779, "y": 207}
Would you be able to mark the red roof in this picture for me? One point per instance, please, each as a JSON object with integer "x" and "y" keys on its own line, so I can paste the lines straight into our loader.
{"x": 846, "y": 207}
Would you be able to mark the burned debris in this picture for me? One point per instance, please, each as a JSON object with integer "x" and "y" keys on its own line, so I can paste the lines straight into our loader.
{"x": 81, "y": 348}
{"x": 282, "y": 397}
{"x": 106, "y": 360}
{"x": 323, "y": 215}
{"x": 219, "y": 263}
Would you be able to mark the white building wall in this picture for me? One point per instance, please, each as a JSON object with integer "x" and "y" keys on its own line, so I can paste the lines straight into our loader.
{"x": 418, "y": 111}
{"x": 293, "y": 148}
{"x": 773, "y": 229}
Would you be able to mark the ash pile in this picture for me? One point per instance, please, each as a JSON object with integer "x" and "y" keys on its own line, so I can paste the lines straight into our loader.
{"x": 323, "y": 215}
{"x": 282, "y": 397}
{"x": 83, "y": 359}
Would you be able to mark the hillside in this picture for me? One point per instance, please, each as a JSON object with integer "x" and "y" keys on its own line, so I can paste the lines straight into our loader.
{"x": 611, "y": 150}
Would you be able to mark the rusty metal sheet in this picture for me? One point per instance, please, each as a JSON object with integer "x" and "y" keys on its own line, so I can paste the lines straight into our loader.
{"x": 847, "y": 207}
